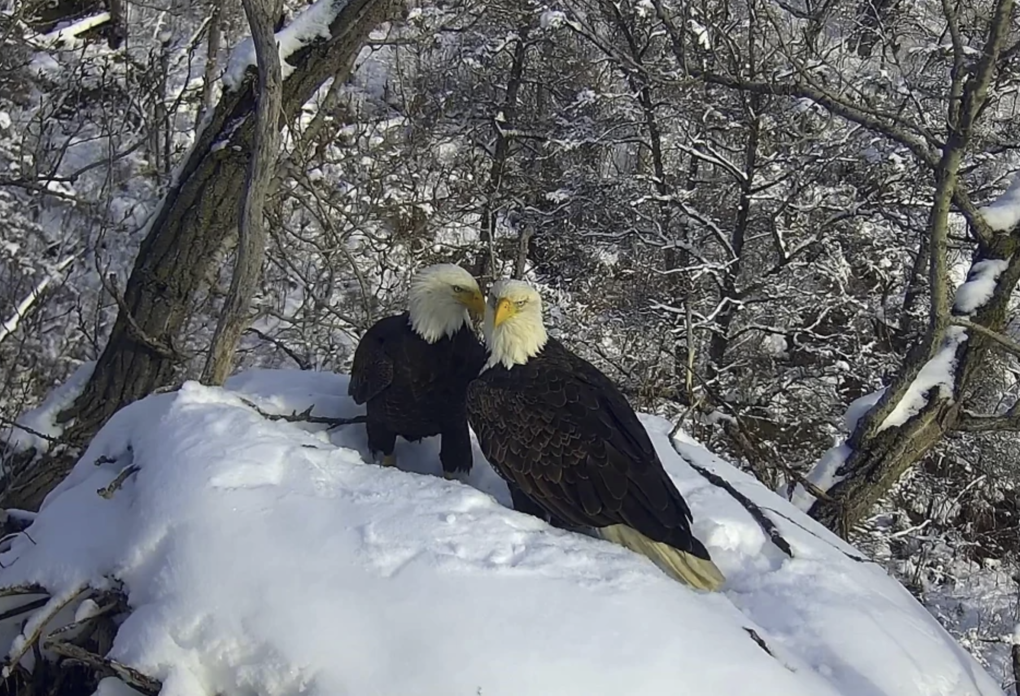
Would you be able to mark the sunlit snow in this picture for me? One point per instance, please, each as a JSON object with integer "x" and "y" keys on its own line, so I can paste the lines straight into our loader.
{"x": 1003, "y": 213}
{"x": 267, "y": 557}
{"x": 312, "y": 24}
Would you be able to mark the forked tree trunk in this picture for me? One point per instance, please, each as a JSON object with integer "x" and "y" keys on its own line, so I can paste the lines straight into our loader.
{"x": 880, "y": 458}
{"x": 197, "y": 213}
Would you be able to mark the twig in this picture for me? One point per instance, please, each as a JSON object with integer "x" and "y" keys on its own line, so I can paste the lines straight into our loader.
{"x": 1005, "y": 342}
{"x": 24, "y": 608}
{"x": 30, "y": 640}
{"x": 129, "y": 675}
{"x": 116, "y": 603}
{"x": 852, "y": 557}
{"x": 301, "y": 362}
{"x": 116, "y": 483}
{"x": 759, "y": 640}
{"x": 30, "y": 431}
{"x": 24, "y": 589}
{"x": 767, "y": 525}
{"x": 161, "y": 348}
{"x": 304, "y": 417}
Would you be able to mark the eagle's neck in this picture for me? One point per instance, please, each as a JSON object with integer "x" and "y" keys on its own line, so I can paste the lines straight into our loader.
{"x": 433, "y": 318}
{"x": 515, "y": 342}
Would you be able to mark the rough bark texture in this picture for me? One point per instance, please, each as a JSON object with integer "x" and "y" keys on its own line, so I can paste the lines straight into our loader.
{"x": 251, "y": 232}
{"x": 199, "y": 210}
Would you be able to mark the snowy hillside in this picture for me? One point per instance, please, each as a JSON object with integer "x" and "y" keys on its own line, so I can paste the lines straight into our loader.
{"x": 266, "y": 557}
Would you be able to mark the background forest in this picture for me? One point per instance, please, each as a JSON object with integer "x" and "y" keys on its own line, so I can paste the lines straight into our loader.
{"x": 749, "y": 213}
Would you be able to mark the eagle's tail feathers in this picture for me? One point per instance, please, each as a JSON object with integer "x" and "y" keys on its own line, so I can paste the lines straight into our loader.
{"x": 699, "y": 573}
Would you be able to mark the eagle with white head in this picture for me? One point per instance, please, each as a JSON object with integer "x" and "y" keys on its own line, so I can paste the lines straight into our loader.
{"x": 412, "y": 369}
{"x": 569, "y": 444}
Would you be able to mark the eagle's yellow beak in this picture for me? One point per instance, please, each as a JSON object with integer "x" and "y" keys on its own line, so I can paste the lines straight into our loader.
{"x": 475, "y": 304}
{"x": 504, "y": 310}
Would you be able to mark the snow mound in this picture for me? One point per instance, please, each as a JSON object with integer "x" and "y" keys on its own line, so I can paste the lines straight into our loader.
{"x": 267, "y": 557}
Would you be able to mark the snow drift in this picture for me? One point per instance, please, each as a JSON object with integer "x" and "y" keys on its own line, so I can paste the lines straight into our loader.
{"x": 267, "y": 557}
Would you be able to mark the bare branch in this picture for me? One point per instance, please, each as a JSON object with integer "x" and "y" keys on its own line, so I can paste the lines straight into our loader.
{"x": 50, "y": 610}
{"x": 115, "y": 485}
{"x": 304, "y": 417}
{"x": 1005, "y": 342}
{"x": 129, "y": 675}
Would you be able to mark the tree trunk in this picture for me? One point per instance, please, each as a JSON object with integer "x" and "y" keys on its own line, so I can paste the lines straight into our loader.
{"x": 251, "y": 242}
{"x": 880, "y": 456}
{"x": 199, "y": 210}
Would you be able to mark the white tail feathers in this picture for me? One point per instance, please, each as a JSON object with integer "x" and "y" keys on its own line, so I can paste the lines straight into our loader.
{"x": 679, "y": 565}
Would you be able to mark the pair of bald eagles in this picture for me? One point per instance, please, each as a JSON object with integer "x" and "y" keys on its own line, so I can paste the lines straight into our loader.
{"x": 566, "y": 441}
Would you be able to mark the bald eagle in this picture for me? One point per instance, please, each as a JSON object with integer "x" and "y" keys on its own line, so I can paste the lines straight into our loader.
{"x": 562, "y": 435}
{"x": 412, "y": 369}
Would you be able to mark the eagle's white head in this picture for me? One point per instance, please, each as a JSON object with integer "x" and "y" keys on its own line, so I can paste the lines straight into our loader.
{"x": 514, "y": 330}
{"x": 442, "y": 299}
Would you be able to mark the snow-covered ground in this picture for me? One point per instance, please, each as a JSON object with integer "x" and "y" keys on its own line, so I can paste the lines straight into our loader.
{"x": 267, "y": 557}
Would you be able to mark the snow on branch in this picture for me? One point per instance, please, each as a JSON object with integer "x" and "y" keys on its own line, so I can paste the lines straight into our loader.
{"x": 10, "y": 325}
{"x": 939, "y": 373}
{"x": 307, "y": 28}
{"x": 824, "y": 474}
{"x": 1003, "y": 214}
{"x": 69, "y": 34}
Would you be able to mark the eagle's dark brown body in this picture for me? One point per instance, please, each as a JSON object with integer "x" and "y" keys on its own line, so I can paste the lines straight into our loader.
{"x": 560, "y": 431}
{"x": 416, "y": 389}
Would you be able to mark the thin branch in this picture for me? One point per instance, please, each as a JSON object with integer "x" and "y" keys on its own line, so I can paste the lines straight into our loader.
{"x": 767, "y": 525}
{"x": 974, "y": 423}
{"x": 24, "y": 608}
{"x": 41, "y": 620}
{"x": 30, "y": 431}
{"x": 1004, "y": 342}
{"x": 129, "y": 675}
{"x": 23, "y": 589}
{"x": 301, "y": 362}
{"x": 304, "y": 417}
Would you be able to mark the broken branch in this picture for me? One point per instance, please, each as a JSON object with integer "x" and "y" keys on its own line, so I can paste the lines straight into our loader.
{"x": 304, "y": 417}
{"x": 115, "y": 485}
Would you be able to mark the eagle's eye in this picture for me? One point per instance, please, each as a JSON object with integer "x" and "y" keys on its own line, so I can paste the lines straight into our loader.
{"x": 458, "y": 289}
{"x": 520, "y": 303}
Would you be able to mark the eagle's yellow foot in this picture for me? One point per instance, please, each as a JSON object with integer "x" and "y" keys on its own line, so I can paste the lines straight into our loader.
{"x": 449, "y": 477}
{"x": 389, "y": 459}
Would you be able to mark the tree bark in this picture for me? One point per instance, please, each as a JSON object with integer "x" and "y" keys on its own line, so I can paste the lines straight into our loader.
{"x": 212, "y": 53}
{"x": 251, "y": 240}
{"x": 198, "y": 211}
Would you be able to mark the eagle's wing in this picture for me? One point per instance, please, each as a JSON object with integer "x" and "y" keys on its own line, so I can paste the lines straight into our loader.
{"x": 372, "y": 370}
{"x": 573, "y": 443}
